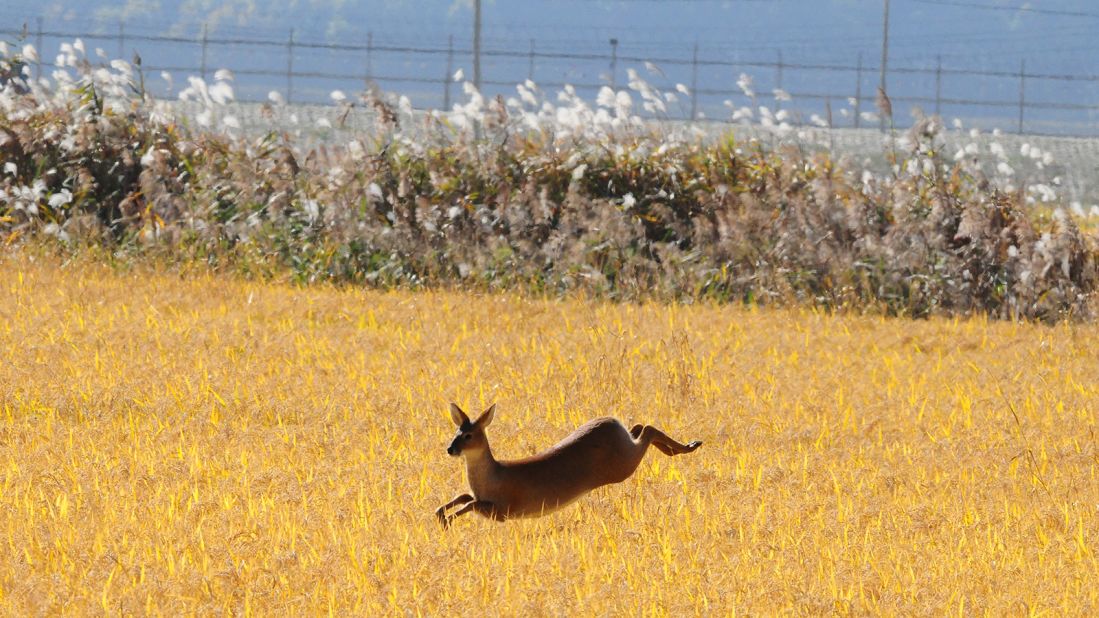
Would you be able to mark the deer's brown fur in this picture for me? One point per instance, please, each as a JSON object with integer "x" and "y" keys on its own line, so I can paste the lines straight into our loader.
{"x": 597, "y": 453}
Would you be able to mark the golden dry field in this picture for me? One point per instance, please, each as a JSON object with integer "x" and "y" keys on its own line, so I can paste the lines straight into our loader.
{"x": 197, "y": 444}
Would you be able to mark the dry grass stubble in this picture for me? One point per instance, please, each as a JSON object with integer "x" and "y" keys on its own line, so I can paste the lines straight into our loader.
{"x": 173, "y": 444}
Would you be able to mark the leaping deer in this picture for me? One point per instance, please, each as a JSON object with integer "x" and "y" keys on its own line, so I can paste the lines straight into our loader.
{"x": 598, "y": 453}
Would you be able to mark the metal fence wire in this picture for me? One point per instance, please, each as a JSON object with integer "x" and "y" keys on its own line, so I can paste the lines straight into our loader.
{"x": 305, "y": 71}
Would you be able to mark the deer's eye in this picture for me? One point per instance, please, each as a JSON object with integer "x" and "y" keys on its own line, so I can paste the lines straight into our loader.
{"x": 468, "y": 436}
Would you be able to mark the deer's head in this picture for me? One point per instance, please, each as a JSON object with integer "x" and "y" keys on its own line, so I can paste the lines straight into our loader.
{"x": 471, "y": 434}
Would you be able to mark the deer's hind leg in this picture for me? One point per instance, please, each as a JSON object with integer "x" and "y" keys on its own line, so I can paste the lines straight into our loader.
{"x": 647, "y": 434}
{"x": 636, "y": 430}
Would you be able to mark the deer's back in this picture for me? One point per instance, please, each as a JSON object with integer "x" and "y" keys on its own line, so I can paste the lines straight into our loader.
{"x": 597, "y": 453}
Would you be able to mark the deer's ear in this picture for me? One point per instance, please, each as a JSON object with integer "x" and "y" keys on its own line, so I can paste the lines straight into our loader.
{"x": 457, "y": 415}
{"x": 486, "y": 416}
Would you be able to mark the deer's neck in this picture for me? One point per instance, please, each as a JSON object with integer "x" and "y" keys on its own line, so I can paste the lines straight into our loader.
{"x": 481, "y": 465}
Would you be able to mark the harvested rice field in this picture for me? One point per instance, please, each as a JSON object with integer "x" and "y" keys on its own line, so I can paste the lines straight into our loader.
{"x": 193, "y": 443}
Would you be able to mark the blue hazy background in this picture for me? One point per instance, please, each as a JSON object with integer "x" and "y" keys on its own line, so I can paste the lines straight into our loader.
{"x": 1054, "y": 39}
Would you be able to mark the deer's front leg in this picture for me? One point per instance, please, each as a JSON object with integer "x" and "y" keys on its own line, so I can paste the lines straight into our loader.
{"x": 487, "y": 509}
{"x": 441, "y": 511}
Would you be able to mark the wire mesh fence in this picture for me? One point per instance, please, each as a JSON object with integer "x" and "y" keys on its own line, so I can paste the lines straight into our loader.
{"x": 307, "y": 71}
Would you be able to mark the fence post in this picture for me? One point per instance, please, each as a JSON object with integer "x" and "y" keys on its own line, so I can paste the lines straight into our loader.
{"x": 290, "y": 67}
{"x": 449, "y": 73}
{"x": 1022, "y": 92}
{"x": 884, "y": 68}
{"x": 205, "y": 43}
{"x": 38, "y": 47}
{"x": 477, "y": 44}
{"x": 858, "y": 91}
{"x": 778, "y": 80}
{"x": 778, "y": 70}
{"x": 369, "y": 57}
{"x": 614, "y": 62}
{"x": 694, "y": 84}
{"x": 530, "y": 65}
{"x": 938, "y": 85}
{"x": 121, "y": 39}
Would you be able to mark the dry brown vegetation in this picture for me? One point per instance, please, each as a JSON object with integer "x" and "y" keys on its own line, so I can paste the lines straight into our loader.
{"x": 175, "y": 444}
{"x": 511, "y": 202}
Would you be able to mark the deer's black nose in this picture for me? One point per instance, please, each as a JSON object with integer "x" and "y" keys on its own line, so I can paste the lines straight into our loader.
{"x": 450, "y": 450}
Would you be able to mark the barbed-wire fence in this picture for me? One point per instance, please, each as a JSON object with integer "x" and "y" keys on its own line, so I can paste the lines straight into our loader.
{"x": 304, "y": 71}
